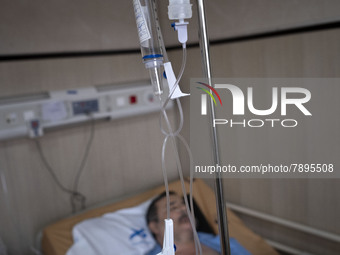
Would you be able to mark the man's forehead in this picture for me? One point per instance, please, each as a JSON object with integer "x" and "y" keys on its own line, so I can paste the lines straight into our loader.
{"x": 173, "y": 198}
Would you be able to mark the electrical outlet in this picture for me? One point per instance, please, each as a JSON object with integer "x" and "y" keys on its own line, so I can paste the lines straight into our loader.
{"x": 11, "y": 118}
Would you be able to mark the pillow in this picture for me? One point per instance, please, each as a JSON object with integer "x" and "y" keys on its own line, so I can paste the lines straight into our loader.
{"x": 122, "y": 232}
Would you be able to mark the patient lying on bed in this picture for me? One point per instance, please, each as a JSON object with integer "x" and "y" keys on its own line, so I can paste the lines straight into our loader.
{"x": 183, "y": 234}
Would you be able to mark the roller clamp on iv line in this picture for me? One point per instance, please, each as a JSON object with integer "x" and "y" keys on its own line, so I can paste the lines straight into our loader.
{"x": 153, "y": 54}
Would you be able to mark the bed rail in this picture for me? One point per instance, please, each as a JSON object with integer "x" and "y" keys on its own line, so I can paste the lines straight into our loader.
{"x": 286, "y": 223}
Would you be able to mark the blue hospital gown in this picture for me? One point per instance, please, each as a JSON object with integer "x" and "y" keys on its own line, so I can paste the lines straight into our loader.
{"x": 213, "y": 242}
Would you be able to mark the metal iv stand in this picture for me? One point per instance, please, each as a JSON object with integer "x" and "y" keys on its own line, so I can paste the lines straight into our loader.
{"x": 221, "y": 210}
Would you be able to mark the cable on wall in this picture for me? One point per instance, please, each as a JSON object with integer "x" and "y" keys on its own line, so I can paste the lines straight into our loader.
{"x": 76, "y": 197}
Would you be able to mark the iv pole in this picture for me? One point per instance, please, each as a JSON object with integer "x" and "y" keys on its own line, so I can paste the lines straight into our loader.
{"x": 221, "y": 210}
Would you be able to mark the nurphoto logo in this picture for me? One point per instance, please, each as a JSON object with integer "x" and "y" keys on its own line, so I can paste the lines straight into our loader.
{"x": 294, "y": 96}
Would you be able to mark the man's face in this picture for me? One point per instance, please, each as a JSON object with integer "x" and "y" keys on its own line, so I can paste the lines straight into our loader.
{"x": 178, "y": 214}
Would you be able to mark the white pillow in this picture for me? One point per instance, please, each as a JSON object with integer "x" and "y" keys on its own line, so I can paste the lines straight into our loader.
{"x": 122, "y": 232}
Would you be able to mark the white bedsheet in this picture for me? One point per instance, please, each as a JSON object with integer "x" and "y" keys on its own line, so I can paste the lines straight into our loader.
{"x": 123, "y": 232}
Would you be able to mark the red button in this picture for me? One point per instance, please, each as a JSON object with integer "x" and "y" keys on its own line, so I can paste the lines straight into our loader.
{"x": 133, "y": 99}
{"x": 35, "y": 124}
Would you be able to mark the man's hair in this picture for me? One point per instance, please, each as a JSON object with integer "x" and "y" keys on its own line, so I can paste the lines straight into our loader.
{"x": 151, "y": 214}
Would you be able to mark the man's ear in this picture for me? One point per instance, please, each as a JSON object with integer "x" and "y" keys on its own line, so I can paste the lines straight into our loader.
{"x": 154, "y": 228}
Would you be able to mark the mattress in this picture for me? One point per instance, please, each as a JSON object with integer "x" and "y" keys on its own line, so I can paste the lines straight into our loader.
{"x": 57, "y": 237}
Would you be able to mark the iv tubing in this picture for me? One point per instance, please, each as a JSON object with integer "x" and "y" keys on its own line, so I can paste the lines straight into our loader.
{"x": 180, "y": 110}
{"x": 184, "y": 58}
{"x": 190, "y": 214}
{"x": 172, "y": 135}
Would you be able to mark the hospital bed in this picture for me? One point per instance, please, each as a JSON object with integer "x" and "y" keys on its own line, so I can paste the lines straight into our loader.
{"x": 57, "y": 237}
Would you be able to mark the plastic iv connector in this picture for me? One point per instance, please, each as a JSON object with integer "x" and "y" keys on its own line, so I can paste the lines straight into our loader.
{"x": 169, "y": 247}
{"x": 150, "y": 46}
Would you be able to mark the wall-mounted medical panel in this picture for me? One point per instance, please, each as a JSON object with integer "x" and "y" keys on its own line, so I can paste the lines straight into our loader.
{"x": 30, "y": 115}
